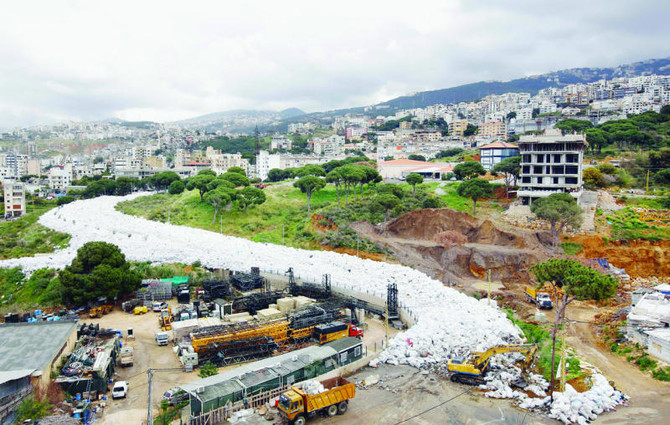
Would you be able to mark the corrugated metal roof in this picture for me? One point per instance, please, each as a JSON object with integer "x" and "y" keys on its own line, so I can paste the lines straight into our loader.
{"x": 32, "y": 345}
{"x": 12, "y": 375}
{"x": 344, "y": 343}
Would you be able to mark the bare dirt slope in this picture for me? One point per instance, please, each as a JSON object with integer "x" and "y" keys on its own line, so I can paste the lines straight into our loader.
{"x": 410, "y": 238}
{"x": 639, "y": 258}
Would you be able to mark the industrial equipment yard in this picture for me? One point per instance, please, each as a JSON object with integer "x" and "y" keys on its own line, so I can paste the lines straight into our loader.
{"x": 147, "y": 354}
{"x": 294, "y": 296}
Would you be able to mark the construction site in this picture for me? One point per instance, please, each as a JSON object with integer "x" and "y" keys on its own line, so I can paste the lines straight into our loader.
{"x": 408, "y": 339}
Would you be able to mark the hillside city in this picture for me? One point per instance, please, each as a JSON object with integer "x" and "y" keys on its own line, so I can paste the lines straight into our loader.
{"x": 511, "y": 253}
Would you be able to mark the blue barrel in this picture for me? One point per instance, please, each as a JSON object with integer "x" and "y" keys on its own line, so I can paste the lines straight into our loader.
{"x": 78, "y": 396}
{"x": 77, "y": 415}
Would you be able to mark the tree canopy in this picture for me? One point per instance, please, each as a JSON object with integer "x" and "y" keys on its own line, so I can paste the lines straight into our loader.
{"x": 475, "y": 189}
{"x": 387, "y": 201}
{"x": 249, "y": 196}
{"x": 511, "y": 168}
{"x": 308, "y": 185}
{"x": 99, "y": 270}
{"x": 200, "y": 182}
{"x": 414, "y": 179}
{"x": 560, "y": 210}
{"x": 218, "y": 197}
{"x": 309, "y": 170}
{"x": 468, "y": 170}
{"x": 576, "y": 281}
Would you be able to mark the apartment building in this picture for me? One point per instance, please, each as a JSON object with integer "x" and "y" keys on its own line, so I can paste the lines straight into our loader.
{"x": 60, "y": 177}
{"x": 550, "y": 163}
{"x": 15, "y": 199}
{"x": 495, "y": 129}
{"x": 458, "y": 127}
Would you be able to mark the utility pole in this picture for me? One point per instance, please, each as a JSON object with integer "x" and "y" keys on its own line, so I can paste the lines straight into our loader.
{"x": 386, "y": 323}
{"x": 357, "y": 254}
{"x": 489, "y": 276}
{"x": 150, "y": 413}
{"x": 647, "y": 192}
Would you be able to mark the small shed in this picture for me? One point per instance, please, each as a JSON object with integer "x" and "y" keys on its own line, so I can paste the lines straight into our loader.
{"x": 658, "y": 343}
{"x": 348, "y": 350}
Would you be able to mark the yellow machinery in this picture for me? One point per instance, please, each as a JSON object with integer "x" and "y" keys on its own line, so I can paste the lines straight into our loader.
{"x": 276, "y": 329}
{"x": 165, "y": 320}
{"x": 100, "y": 310}
{"x": 140, "y": 310}
{"x": 471, "y": 369}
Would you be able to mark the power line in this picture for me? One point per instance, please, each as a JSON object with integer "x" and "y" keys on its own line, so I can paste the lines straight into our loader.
{"x": 434, "y": 407}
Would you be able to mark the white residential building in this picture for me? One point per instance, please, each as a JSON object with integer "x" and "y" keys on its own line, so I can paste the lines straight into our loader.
{"x": 15, "y": 198}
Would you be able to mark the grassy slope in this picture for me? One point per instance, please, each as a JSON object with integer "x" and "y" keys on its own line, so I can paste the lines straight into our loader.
{"x": 285, "y": 205}
{"x": 25, "y": 237}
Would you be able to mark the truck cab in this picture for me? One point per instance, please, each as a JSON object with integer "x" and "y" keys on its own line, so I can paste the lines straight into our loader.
{"x": 544, "y": 300}
{"x": 291, "y": 404}
{"x": 162, "y": 338}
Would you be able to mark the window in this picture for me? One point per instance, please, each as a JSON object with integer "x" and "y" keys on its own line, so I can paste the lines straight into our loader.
{"x": 525, "y": 180}
{"x": 358, "y": 351}
{"x": 539, "y": 179}
{"x": 526, "y": 169}
{"x": 571, "y": 169}
{"x": 557, "y": 157}
{"x": 343, "y": 357}
{"x": 537, "y": 170}
{"x": 540, "y": 159}
{"x": 571, "y": 180}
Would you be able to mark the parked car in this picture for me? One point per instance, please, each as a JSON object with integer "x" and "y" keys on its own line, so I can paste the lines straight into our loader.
{"x": 175, "y": 396}
{"x": 159, "y": 306}
{"x": 120, "y": 389}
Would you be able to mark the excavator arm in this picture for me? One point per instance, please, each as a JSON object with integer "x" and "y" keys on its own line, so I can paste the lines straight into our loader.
{"x": 472, "y": 369}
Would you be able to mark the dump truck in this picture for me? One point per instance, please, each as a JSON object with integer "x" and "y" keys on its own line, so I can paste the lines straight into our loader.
{"x": 539, "y": 297}
{"x": 297, "y": 405}
{"x": 126, "y": 356}
{"x": 328, "y": 332}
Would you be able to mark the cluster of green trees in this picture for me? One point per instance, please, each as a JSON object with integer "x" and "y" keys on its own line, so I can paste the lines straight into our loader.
{"x": 99, "y": 270}
{"x": 647, "y": 133}
{"x": 99, "y": 185}
{"x": 223, "y": 190}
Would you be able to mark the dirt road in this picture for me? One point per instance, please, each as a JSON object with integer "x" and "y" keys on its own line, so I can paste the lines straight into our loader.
{"x": 649, "y": 397}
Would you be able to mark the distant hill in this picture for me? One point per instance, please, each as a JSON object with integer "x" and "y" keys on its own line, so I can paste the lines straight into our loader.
{"x": 473, "y": 91}
{"x": 531, "y": 84}
{"x": 239, "y": 120}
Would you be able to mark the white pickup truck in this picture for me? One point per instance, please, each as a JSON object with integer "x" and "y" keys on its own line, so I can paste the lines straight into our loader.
{"x": 120, "y": 389}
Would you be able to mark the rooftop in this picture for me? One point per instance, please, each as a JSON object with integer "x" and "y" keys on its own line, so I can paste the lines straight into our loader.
{"x": 32, "y": 345}
{"x": 499, "y": 145}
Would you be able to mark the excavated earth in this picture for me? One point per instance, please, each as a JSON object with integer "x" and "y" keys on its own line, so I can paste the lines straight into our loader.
{"x": 507, "y": 254}
{"x": 639, "y": 258}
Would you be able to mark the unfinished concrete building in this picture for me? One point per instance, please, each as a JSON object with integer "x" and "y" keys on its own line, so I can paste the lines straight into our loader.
{"x": 550, "y": 163}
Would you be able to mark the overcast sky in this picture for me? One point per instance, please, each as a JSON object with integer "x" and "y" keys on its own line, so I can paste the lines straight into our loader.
{"x": 170, "y": 60}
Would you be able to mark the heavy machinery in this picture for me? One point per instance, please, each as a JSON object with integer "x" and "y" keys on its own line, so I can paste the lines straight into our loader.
{"x": 165, "y": 319}
{"x": 297, "y": 405}
{"x": 472, "y": 369}
{"x": 140, "y": 310}
{"x": 100, "y": 310}
{"x": 539, "y": 297}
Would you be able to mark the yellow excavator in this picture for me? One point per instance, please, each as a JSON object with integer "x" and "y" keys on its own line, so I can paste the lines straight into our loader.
{"x": 471, "y": 369}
